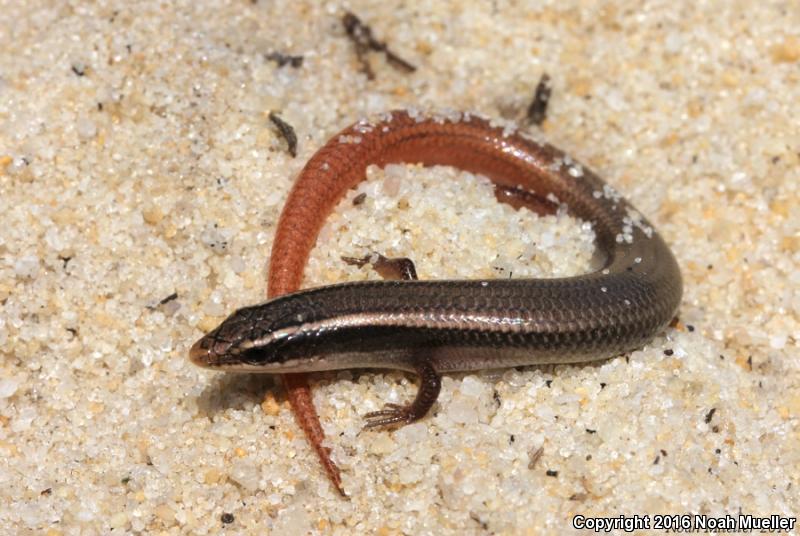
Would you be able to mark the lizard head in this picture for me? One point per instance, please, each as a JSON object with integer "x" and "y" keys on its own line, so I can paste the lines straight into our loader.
{"x": 253, "y": 338}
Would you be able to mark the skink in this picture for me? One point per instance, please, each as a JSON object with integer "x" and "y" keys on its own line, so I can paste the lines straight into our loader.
{"x": 432, "y": 327}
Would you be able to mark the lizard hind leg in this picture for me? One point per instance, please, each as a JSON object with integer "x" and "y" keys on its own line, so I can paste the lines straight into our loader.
{"x": 396, "y": 414}
{"x": 430, "y": 380}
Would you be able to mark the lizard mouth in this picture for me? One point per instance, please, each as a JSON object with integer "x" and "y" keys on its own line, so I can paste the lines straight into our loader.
{"x": 203, "y": 355}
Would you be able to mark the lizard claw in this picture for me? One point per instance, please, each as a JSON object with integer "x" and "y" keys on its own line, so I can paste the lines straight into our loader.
{"x": 390, "y": 414}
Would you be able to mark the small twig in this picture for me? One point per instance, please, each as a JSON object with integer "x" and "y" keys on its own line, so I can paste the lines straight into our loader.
{"x": 710, "y": 415}
{"x": 78, "y": 68}
{"x": 286, "y": 131}
{"x": 364, "y": 41}
{"x": 171, "y": 297}
{"x": 284, "y": 59}
{"x": 537, "y": 111}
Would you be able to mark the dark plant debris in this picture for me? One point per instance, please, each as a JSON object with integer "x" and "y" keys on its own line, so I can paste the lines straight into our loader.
{"x": 361, "y": 36}
{"x": 284, "y": 59}
{"x": 537, "y": 111}
{"x": 287, "y": 131}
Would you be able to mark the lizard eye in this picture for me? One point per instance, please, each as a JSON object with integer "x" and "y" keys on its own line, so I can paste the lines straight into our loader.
{"x": 254, "y": 356}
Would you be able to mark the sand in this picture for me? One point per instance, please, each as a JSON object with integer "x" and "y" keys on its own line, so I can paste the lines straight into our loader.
{"x": 140, "y": 185}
